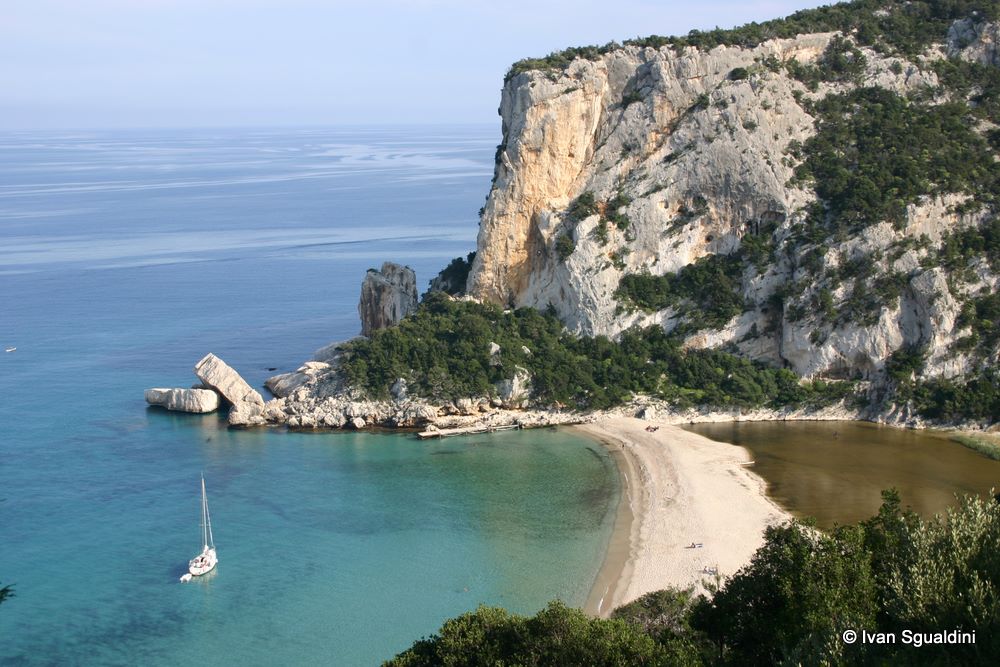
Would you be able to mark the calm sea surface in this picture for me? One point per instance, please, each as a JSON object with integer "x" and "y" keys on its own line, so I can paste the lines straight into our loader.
{"x": 126, "y": 257}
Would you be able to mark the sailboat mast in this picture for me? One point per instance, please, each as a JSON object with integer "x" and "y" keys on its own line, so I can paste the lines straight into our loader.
{"x": 204, "y": 514}
{"x": 208, "y": 518}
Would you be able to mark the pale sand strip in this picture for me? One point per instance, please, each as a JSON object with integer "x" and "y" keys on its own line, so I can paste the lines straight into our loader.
{"x": 681, "y": 488}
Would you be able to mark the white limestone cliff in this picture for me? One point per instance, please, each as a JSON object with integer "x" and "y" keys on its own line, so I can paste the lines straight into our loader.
{"x": 702, "y": 157}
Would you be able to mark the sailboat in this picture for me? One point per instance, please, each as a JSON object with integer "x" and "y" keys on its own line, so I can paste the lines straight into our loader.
{"x": 206, "y": 561}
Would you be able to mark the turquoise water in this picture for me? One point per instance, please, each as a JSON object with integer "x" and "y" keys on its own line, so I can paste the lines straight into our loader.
{"x": 124, "y": 258}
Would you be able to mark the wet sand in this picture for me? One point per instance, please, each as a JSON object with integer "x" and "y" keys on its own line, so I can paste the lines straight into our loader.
{"x": 678, "y": 489}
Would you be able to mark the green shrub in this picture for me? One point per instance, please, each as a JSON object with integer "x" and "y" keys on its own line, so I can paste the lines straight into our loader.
{"x": 982, "y": 313}
{"x": 565, "y": 245}
{"x": 975, "y": 398}
{"x": 840, "y": 62}
{"x": 707, "y": 291}
{"x": 630, "y": 97}
{"x": 582, "y": 207}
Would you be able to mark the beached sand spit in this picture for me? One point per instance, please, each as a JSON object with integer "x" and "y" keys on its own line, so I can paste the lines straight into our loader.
{"x": 682, "y": 489}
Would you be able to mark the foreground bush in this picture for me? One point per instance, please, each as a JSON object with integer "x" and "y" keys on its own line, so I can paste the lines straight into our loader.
{"x": 557, "y": 635}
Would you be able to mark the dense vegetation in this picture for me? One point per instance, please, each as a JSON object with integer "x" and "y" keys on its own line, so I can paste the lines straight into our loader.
{"x": 443, "y": 351}
{"x": 841, "y": 61}
{"x": 874, "y": 153}
{"x": 557, "y": 635}
{"x": 452, "y": 278}
{"x": 791, "y": 604}
{"x": 961, "y": 249}
{"x": 706, "y": 293}
{"x": 906, "y": 27}
{"x": 975, "y": 398}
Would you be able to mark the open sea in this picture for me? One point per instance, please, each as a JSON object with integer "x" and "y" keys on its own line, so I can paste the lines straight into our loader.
{"x": 124, "y": 258}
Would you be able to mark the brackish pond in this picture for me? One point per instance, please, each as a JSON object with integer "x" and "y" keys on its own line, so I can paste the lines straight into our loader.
{"x": 835, "y": 471}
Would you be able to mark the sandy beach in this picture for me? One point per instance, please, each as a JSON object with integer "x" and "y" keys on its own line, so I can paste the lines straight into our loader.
{"x": 679, "y": 489}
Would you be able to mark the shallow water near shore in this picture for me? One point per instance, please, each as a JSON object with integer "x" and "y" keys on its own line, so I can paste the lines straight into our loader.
{"x": 125, "y": 258}
{"x": 836, "y": 471}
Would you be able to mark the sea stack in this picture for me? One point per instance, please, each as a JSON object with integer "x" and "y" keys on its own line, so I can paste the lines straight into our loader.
{"x": 387, "y": 296}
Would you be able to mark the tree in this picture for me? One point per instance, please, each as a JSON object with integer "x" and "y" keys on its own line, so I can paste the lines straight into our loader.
{"x": 789, "y": 605}
{"x": 666, "y": 617}
{"x": 557, "y": 635}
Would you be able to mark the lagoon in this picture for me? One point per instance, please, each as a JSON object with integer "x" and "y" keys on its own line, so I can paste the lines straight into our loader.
{"x": 835, "y": 471}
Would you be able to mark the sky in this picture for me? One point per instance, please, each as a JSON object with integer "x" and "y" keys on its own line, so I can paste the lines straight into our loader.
{"x": 182, "y": 63}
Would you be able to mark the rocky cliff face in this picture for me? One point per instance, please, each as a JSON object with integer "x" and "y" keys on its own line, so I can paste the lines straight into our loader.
{"x": 689, "y": 153}
{"x": 387, "y": 296}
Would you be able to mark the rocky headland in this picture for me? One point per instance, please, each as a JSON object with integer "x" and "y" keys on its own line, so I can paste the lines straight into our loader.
{"x": 824, "y": 203}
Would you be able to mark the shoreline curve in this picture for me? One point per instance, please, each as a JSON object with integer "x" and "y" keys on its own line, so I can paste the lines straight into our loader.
{"x": 678, "y": 489}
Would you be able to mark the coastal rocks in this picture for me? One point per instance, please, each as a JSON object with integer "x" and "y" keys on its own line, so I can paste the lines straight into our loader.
{"x": 184, "y": 400}
{"x": 284, "y": 384}
{"x": 516, "y": 391}
{"x": 387, "y": 296}
{"x": 399, "y": 389}
{"x": 247, "y": 405}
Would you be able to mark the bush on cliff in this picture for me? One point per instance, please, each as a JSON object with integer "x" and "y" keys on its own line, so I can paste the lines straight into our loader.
{"x": 453, "y": 277}
{"x": 874, "y": 153}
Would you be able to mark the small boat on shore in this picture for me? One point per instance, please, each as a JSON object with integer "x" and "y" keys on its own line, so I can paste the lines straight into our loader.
{"x": 206, "y": 561}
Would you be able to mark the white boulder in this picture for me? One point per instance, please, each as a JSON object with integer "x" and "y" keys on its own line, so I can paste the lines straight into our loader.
{"x": 183, "y": 400}
{"x": 248, "y": 405}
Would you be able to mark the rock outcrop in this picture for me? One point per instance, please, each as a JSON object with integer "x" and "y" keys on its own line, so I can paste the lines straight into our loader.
{"x": 284, "y": 384}
{"x": 387, "y": 296}
{"x": 975, "y": 41}
{"x": 515, "y": 392}
{"x": 247, "y": 404}
{"x": 184, "y": 400}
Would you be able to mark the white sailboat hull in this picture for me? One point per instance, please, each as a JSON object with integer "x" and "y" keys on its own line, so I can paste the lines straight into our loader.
{"x": 203, "y": 563}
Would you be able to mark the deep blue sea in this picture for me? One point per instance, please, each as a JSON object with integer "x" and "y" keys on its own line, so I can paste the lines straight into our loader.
{"x": 124, "y": 258}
